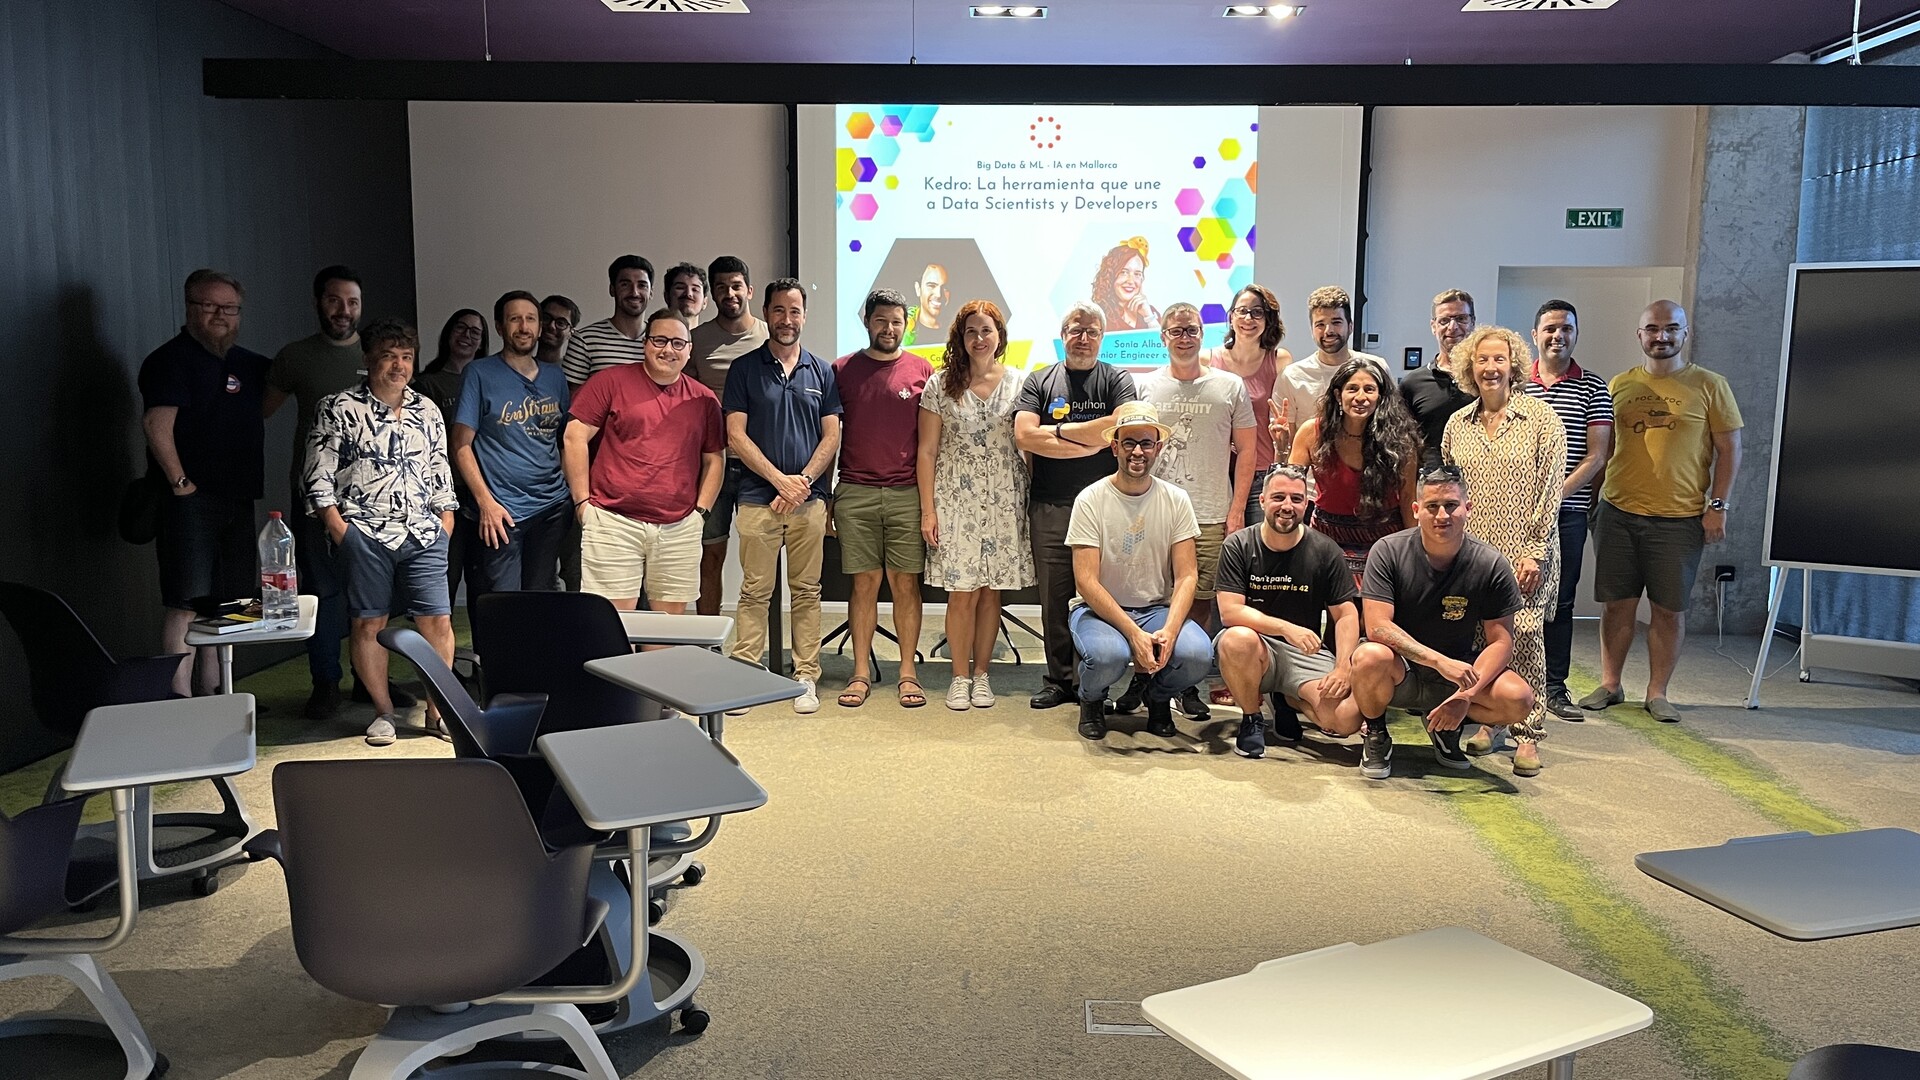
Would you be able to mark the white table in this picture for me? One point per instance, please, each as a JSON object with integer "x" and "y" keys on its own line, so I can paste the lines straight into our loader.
{"x": 301, "y": 630}
{"x": 1423, "y": 981}
{"x": 630, "y": 777}
{"x": 1802, "y": 886}
{"x": 660, "y": 628}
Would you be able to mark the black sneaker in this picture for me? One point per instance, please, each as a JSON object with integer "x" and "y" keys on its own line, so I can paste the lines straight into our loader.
{"x": 324, "y": 702}
{"x": 1160, "y": 719}
{"x": 1286, "y": 722}
{"x": 1560, "y": 703}
{"x": 1195, "y": 706}
{"x": 1093, "y": 724}
{"x": 1252, "y": 740}
{"x": 1446, "y": 747}
{"x": 1376, "y": 751}
{"x": 1130, "y": 700}
{"x": 401, "y": 699}
{"x": 1051, "y": 696}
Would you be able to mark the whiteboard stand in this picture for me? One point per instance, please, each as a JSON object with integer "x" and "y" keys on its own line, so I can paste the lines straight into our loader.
{"x": 1871, "y": 656}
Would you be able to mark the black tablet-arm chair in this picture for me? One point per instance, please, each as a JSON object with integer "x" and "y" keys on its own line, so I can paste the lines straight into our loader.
{"x": 38, "y": 878}
{"x": 539, "y": 643}
{"x": 424, "y": 885}
{"x": 1857, "y": 1061}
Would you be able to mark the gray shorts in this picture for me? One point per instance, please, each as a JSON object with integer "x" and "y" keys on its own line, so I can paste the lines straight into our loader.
{"x": 1288, "y": 669}
{"x": 1422, "y": 689}
{"x": 1633, "y": 553}
{"x": 375, "y": 572}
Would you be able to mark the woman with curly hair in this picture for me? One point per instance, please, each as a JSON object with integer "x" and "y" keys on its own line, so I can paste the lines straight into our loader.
{"x": 1253, "y": 352}
{"x": 1364, "y": 451}
{"x": 1512, "y": 451}
{"x": 1118, "y": 287}
{"x": 973, "y": 507}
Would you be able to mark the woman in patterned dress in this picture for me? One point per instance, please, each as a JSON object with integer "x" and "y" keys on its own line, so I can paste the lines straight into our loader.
{"x": 973, "y": 483}
{"x": 1364, "y": 451}
{"x": 1512, "y": 451}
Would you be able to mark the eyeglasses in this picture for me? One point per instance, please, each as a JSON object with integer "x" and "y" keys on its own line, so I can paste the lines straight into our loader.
{"x": 673, "y": 344}
{"x": 560, "y": 321}
{"x": 1185, "y": 332}
{"x": 1249, "y": 313}
{"x": 211, "y": 308}
{"x": 1130, "y": 445}
{"x": 467, "y": 329}
{"x": 1082, "y": 331}
{"x": 1453, "y": 320}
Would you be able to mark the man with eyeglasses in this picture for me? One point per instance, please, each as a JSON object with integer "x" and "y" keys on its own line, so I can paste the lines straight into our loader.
{"x": 558, "y": 316}
{"x": 1303, "y": 383}
{"x": 642, "y": 498}
{"x": 717, "y": 343}
{"x": 1209, "y": 455}
{"x": 686, "y": 286}
{"x": 615, "y": 340}
{"x": 506, "y": 446}
{"x": 783, "y": 410}
{"x": 1676, "y": 450}
{"x": 1134, "y": 567}
{"x": 1431, "y": 394}
{"x": 1278, "y": 582}
{"x": 1424, "y": 594}
{"x": 1063, "y": 418}
{"x": 206, "y": 441}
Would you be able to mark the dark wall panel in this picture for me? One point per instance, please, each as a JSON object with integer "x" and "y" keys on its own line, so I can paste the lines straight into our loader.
{"x": 117, "y": 178}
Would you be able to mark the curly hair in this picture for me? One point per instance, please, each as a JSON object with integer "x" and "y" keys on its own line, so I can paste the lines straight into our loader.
{"x": 1330, "y": 296}
{"x": 1460, "y": 360}
{"x": 1390, "y": 442}
{"x": 1111, "y": 264}
{"x": 955, "y": 371}
{"x": 1274, "y": 329}
{"x": 390, "y": 333}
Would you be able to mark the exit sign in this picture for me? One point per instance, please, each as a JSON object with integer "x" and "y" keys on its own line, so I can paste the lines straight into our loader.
{"x": 1595, "y": 219}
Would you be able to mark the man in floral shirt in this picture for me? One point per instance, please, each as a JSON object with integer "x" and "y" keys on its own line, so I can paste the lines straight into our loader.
{"x": 379, "y": 483}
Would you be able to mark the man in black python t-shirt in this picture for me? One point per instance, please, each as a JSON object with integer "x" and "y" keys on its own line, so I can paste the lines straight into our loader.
{"x": 1063, "y": 417}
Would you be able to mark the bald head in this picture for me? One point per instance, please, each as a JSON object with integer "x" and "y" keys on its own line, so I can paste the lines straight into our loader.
{"x": 1663, "y": 330}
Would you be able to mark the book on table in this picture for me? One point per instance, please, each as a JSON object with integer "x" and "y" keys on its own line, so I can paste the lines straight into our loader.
{"x": 245, "y": 618}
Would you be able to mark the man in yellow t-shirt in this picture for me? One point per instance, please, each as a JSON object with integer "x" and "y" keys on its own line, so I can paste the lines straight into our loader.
{"x": 1676, "y": 447}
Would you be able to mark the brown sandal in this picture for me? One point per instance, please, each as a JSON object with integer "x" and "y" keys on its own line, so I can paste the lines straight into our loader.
{"x": 914, "y": 698}
{"x": 853, "y": 699}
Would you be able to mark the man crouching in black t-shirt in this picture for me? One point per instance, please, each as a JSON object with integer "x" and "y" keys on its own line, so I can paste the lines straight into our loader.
{"x": 1424, "y": 593}
{"x": 1275, "y": 581}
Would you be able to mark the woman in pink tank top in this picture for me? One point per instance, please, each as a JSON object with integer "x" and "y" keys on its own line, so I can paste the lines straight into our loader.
{"x": 1253, "y": 352}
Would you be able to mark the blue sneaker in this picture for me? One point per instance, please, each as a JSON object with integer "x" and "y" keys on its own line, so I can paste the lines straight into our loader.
{"x": 1251, "y": 742}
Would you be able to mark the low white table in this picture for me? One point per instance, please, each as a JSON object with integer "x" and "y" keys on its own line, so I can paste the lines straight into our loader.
{"x": 660, "y": 628}
{"x": 1418, "y": 980}
{"x": 301, "y": 630}
{"x": 1803, "y": 886}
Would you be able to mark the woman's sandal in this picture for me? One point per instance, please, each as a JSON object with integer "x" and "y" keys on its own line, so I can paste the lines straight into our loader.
{"x": 914, "y": 698}
{"x": 853, "y": 699}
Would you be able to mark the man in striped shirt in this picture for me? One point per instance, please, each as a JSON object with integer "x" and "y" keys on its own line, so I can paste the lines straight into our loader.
{"x": 615, "y": 340}
{"x": 1586, "y": 409}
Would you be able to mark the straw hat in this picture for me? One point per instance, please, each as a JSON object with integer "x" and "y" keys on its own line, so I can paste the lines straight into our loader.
{"x": 1137, "y": 414}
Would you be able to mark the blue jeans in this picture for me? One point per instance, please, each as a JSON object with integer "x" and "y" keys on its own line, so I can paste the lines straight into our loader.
{"x": 1559, "y": 633}
{"x": 1104, "y": 653}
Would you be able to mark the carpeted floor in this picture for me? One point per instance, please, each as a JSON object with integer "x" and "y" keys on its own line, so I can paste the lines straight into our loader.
{"x": 938, "y": 894}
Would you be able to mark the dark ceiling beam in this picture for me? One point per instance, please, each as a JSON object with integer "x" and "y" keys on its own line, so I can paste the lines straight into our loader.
{"x": 1498, "y": 84}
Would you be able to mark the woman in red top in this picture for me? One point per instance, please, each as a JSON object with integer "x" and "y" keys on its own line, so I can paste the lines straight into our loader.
{"x": 1253, "y": 352}
{"x": 1364, "y": 474}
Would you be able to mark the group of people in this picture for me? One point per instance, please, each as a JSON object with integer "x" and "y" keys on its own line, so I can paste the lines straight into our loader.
{"x": 1334, "y": 544}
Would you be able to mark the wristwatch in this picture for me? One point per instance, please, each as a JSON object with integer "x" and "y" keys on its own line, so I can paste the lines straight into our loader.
{"x": 705, "y": 512}
{"x": 1718, "y": 504}
{"x": 182, "y": 482}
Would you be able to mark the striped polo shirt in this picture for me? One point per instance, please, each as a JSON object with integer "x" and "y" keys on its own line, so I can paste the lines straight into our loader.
{"x": 597, "y": 347}
{"x": 1581, "y": 399}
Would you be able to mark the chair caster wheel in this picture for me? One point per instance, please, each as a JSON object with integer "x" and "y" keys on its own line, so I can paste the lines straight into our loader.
{"x": 1806, "y": 676}
{"x": 160, "y": 1066}
{"x": 656, "y": 910}
{"x": 206, "y": 884}
{"x": 695, "y": 873}
{"x": 694, "y": 1019}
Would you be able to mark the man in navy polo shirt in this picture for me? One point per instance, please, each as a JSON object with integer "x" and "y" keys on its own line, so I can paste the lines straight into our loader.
{"x": 206, "y": 439}
{"x": 783, "y": 423}
{"x": 506, "y": 446}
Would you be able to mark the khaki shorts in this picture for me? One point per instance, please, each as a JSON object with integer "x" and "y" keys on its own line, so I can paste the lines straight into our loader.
{"x": 879, "y": 528}
{"x": 619, "y": 556}
{"x": 1206, "y": 552}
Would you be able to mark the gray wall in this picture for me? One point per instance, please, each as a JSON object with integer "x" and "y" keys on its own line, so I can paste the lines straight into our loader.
{"x": 120, "y": 177}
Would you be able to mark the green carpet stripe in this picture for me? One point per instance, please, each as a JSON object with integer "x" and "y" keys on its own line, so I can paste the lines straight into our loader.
{"x": 1775, "y": 797}
{"x": 1702, "y": 1017}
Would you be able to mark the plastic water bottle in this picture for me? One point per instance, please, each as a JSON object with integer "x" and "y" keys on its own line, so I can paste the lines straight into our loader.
{"x": 279, "y": 581}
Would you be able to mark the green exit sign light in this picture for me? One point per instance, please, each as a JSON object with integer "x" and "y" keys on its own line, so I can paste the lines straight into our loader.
{"x": 1595, "y": 219}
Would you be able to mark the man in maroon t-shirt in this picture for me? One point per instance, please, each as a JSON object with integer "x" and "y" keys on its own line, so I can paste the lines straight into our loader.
{"x": 876, "y": 504}
{"x": 645, "y": 496}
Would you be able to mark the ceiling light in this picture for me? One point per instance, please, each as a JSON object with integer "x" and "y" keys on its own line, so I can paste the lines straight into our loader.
{"x": 1008, "y": 11}
{"x": 1271, "y": 11}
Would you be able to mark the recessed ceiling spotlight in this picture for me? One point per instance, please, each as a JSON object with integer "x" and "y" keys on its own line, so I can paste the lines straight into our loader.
{"x": 1008, "y": 11}
{"x": 1271, "y": 11}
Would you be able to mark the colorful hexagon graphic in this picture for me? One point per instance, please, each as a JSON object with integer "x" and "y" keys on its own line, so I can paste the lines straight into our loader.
{"x": 1189, "y": 238}
{"x": 1215, "y": 237}
{"x": 883, "y": 150}
{"x": 853, "y": 245}
{"x": 1224, "y": 262}
{"x": 893, "y": 182}
{"x": 864, "y": 169}
{"x": 1199, "y": 163}
{"x": 1251, "y": 246}
{"x": 1213, "y": 313}
{"x": 1229, "y": 149}
{"x": 1235, "y": 203}
{"x": 843, "y": 171}
{"x": 1253, "y": 177}
{"x": 864, "y": 206}
{"x": 1188, "y": 202}
{"x": 860, "y": 125}
{"x": 1241, "y": 277}
{"x": 889, "y": 125}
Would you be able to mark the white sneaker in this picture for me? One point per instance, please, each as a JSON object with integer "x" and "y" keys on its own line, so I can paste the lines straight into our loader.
{"x": 982, "y": 692}
{"x": 380, "y": 732}
{"x": 960, "y": 694}
{"x": 809, "y": 699}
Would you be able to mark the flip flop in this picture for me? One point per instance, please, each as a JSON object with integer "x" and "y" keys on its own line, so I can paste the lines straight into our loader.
{"x": 914, "y": 698}
{"x": 853, "y": 699}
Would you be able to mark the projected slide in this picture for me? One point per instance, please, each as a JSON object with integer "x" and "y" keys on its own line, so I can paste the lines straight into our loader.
{"x": 1036, "y": 207}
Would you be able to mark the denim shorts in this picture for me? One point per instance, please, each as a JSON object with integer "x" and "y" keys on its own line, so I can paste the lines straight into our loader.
{"x": 375, "y": 573}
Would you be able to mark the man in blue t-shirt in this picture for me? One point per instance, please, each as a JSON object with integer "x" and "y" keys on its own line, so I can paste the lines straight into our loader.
{"x": 506, "y": 446}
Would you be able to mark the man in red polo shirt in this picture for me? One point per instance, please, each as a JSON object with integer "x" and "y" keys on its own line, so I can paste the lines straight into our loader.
{"x": 652, "y": 480}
